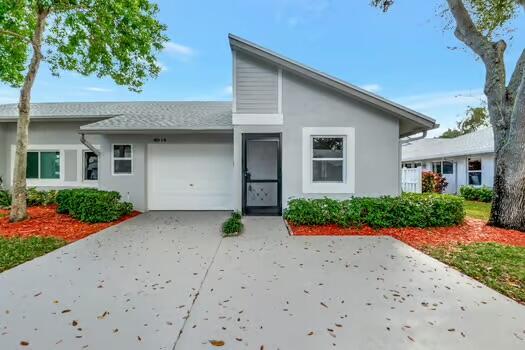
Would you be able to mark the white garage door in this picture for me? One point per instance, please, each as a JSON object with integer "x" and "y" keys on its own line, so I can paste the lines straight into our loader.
{"x": 190, "y": 176}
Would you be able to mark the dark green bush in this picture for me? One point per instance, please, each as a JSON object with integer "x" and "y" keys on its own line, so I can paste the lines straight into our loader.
{"x": 481, "y": 194}
{"x": 91, "y": 205}
{"x": 233, "y": 226}
{"x": 5, "y": 198}
{"x": 408, "y": 210}
{"x": 36, "y": 197}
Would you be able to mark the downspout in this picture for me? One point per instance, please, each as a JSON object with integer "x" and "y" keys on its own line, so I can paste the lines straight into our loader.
{"x": 89, "y": 145}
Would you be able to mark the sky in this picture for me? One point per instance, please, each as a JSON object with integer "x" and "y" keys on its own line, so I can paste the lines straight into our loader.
{"x": 406, "y": 55}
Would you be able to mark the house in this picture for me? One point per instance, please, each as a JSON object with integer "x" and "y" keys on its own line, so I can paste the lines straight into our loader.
{"x": 289, "y": 131}
{"x": 464, "y": 160}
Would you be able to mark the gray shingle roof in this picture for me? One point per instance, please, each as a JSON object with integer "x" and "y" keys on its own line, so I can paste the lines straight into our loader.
{"x": 478, "y": 142}
{"x": 134, "y": 115}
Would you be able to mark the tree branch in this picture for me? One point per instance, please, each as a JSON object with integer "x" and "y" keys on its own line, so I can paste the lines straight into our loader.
{"x": 466, "y": 30}
{"x": 519, "y": 72}
{"x": 16, "y": 35}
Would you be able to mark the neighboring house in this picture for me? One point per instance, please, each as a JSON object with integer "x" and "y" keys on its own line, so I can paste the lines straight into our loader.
{"x": 290, "y": 131}
{"x": 464, "y": 160}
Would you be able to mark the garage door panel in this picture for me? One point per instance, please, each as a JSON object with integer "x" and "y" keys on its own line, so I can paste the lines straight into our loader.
{"x": 190, "y": 176}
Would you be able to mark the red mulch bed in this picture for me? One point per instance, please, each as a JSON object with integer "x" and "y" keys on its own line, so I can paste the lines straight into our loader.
{"x": 46, "y": 222}
{"x": 472, "y": 231}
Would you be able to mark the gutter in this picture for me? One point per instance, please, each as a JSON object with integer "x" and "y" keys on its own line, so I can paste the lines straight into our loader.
{"x": 89, "y": 145}
{"x": 411, "y": 139}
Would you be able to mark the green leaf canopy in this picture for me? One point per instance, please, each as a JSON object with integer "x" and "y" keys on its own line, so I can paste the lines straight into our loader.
{"x": 119, "y": 39}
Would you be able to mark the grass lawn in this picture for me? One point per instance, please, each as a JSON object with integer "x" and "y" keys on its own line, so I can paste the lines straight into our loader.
{"x": 500, "y": 267}
{"x": 15, "y": 251}
{"x": 477, "y": 210}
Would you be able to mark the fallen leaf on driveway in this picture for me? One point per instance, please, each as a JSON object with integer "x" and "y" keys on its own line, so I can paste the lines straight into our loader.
{"x": 103, "y": 316}
{"x": 217, "y": 342}
{"x": 24, "y": 343}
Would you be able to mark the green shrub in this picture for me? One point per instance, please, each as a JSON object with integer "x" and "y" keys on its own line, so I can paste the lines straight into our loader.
{"x": 36, "y": 197}
{"x": 408, "y": 210}
{"x": 481, "y": 194}
{"x": 5, "y": 198}
{"x": 91, "y": 205}
{"x": 233, "y": 226}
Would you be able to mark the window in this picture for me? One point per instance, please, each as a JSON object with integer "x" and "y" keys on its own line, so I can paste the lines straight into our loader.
{"x": 43, "y": 165}
{"x": 327, "y": 159}
{"x": 443, "y": 167}
{"x": 436, "y": 167}
{"x": 90, "y": 162}
{"x": 448, "y": 168}
{"x": 474, "y": 171}
{"x": 122, "y": 160}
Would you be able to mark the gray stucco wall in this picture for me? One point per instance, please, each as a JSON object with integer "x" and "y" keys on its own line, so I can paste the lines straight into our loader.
{"x": 255, "y": 85}
{"x": 308, "y": 104}
{"x": 45, "y": 133}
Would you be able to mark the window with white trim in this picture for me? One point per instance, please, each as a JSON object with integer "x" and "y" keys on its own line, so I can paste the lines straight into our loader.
{"x": 474, "y": 171}
{"x": 122, "y": 159}
{"x": 43, "y": 165}
{"x": 328, "y": 158}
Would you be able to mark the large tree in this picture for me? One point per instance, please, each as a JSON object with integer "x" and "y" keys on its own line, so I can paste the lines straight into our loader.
{"x": 476, "y": 118}
{"x": 118, "y": 39}
{"x": 476, "y": 23}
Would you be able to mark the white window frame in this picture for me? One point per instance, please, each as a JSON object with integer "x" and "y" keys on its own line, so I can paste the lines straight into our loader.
{"x": 475, "y": 171}
{"x": 343, "y": 159}
{"x": 83, "y": 164}
{"x": 347, "y": 186}
{"x": 113, "y": 158}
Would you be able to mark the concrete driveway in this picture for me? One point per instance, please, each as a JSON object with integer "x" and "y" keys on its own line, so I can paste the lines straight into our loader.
{"x": 166, "y": 280}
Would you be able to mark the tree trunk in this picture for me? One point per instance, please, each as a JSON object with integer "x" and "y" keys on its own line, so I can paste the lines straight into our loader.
{"x": 508, "y": 204}
{"x": 506, "y": 106}
{"x": 19, "y": 204}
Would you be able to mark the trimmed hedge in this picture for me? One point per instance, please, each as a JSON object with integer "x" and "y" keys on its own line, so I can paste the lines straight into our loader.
{"x": 233, "y": 226}
{"x": 408, "y": 210}
{"x": 91, "y": 205}
{"x": 481, "y": 194}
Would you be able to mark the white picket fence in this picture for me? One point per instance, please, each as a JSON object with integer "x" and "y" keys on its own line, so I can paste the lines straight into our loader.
{"x": 411, "y": 179}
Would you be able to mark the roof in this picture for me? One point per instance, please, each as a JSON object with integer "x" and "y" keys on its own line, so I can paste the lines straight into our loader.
{"x": 121, "y": 116}
{"x": 171, "y": 116}
{"x": 477, "y": 142}
{"x": 417, "y": 122}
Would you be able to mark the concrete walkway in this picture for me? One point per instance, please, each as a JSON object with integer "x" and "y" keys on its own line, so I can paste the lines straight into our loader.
{"x": 140, "y": 284}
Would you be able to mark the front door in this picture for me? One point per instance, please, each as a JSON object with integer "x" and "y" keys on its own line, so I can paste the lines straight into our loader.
{"x": 261, "y": 174}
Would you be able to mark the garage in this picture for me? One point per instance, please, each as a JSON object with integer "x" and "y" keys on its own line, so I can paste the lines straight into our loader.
{"x": 190, "y": 176}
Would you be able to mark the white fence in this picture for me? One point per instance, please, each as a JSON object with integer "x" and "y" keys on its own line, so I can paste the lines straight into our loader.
{"x": 411, "y": 179}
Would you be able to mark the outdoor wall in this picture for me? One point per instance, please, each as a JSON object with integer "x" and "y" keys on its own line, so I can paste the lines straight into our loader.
{"x": 3, "y": 151}
{"x": 377, "y": 152}
{"x": 133, "y": 188}
{"x": 62, "y": 134}
{"x": 487, "y": 168}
